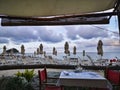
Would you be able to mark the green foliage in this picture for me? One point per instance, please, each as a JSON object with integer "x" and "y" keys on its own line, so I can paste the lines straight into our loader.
{"x": 18, "y": 74}
{"x": 27, "y": 74}
{"x": 14, "y": 83}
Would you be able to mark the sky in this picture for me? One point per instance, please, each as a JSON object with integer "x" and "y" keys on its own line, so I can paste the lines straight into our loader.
{"x": 84, "y": 37}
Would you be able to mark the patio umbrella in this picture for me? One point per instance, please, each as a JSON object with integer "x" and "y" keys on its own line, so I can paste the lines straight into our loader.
{"x": 41, "y": 49}
{"x": 35, "y": 53}
{"x": 66, "y": 48}
{"x": 4, "y": 50}
{"x": 99, "y": 48}
{"x": 38, "y": 51}
{"x": 83, "y": 54}
{"x": 74, "y": 50}
{"x": 22, "y": 50}
{"x": 54, "y": 51}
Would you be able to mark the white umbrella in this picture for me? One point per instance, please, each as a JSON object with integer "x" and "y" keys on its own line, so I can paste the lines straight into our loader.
{"x": 22, "y": 50}
{"x": 66, "y": 48}
{"x": 67, "y": 52}
{"x": 41, "y": 49}
{"x": 74, "y": 50}
{"x": 99, "y": 48}
{"x": 38, "y": 51}
{"x": 4, "y": 50}
{"x": 54, "y": 51}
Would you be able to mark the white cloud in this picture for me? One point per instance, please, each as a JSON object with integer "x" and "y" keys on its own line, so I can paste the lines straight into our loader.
{"x": 84, "y": 37}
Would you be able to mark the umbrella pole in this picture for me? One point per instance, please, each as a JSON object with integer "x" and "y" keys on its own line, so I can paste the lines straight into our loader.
{"x": 68, "y": 59}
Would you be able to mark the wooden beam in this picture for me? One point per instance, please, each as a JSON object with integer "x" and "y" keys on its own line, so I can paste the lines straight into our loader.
{"x": 57, "y": 20}
{"x": 62, "y": 16}
{"x": 54, "y": 66}
{"x": 65, "y": 21}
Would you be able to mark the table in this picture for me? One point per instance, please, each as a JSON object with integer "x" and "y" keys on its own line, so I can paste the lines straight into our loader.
{"x": 83, "y": 79}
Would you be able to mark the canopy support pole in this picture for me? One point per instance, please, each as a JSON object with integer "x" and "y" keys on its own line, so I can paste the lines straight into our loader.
{"x": 119, "y": 25}
{"x": 118, "y": 10}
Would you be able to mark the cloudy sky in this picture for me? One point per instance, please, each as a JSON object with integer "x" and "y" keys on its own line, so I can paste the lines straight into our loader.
{"x": 84, "y": 37}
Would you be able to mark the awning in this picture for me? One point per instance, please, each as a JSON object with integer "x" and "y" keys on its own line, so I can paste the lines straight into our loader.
{"x": 38, "y": 8}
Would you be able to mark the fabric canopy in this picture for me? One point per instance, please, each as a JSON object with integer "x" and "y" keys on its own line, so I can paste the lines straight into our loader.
{"x": 37, "y": 8}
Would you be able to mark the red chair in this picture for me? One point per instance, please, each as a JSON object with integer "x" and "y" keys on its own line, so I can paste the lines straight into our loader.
{"x": 43, "y": 82}
{"x": 113, "y": 76}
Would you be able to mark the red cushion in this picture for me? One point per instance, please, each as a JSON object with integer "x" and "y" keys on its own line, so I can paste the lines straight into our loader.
{"x": 114, "y": 60}
{"x": 42, "y": 73}
{"x": 42, "y": 76}
{"x": 113, "y": 76}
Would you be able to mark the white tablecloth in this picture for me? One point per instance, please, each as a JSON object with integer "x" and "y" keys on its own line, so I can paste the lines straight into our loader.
{"x": 83, "y": 79}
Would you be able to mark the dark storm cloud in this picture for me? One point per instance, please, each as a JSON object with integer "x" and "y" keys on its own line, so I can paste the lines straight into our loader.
{"x": 86, "y": 32}
{"x": 28, "y": 34}
{"x": 71, "y": 32}
{"x": 4, "y": 40}
{"x": 50, "y": 36}
{"x": 17, "y": 34}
